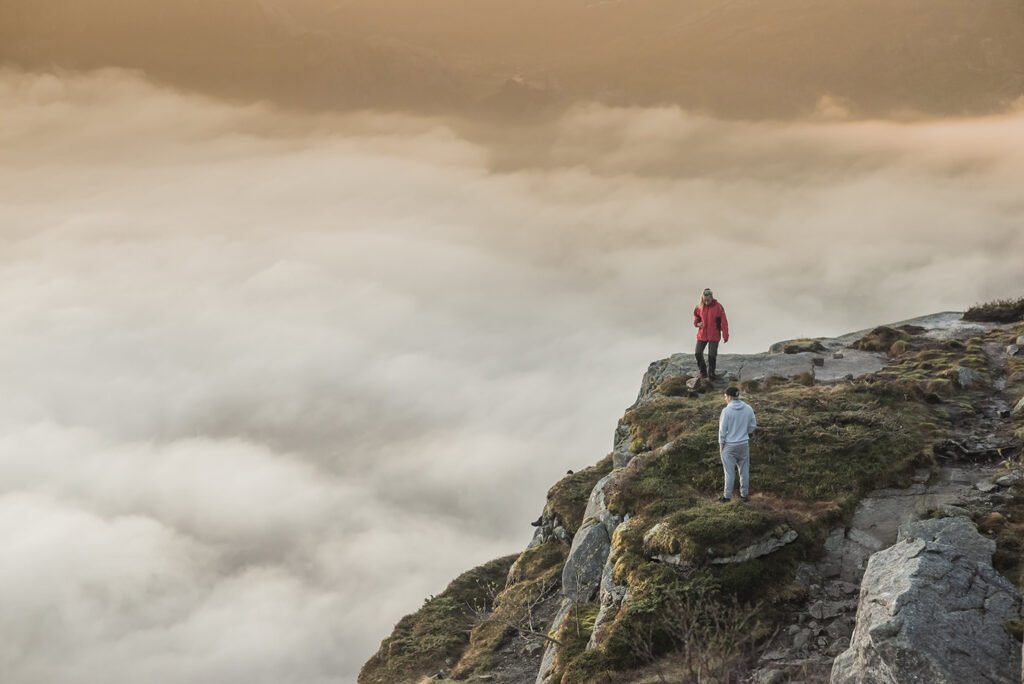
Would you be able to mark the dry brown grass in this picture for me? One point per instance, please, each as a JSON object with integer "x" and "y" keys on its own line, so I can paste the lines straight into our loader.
{"x": 998, "y": 311}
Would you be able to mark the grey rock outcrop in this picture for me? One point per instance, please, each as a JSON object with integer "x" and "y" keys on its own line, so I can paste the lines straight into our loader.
{"x": 585, "y": 567}
{"x": 965, "y": 377}
{"x": 850, "y": 363}
{"x": 547, "y": 661}
{"x": 1010, "y": 479}
{"x": 581, "y": 576}
{"x": 771, "y": 543}
{"x": 612, "y": 596}
{"x": 933, "y": 610}
{"x": 622, "y": 452}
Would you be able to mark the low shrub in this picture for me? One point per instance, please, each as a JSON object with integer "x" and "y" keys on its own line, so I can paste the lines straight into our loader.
{"x": 998, "y": 311}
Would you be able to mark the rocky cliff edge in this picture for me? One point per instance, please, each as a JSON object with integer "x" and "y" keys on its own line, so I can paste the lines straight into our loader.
{"x": 637, "y": 573}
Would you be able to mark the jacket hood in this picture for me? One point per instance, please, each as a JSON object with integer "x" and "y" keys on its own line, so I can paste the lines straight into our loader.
{"x": 737, "y": 404}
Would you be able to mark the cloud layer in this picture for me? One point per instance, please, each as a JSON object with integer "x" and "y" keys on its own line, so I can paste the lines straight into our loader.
{"x": 271, "y": 379}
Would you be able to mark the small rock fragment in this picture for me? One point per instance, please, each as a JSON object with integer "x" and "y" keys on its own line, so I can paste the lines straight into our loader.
{"x": 1010, "y": 479}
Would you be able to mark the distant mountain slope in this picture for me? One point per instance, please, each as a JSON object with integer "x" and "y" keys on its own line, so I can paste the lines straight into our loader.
{"x": 734, "y": 57}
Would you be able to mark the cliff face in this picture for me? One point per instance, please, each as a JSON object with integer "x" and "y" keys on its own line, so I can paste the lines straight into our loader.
{"x": 637, "y": 570}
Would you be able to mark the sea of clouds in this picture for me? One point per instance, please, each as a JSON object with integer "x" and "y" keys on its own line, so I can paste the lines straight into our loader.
{"x": 272, "y": 378}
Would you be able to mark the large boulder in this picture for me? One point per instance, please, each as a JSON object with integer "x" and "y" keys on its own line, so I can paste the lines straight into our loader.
{"x": 932, "y": 610}
{"x": 581, "y": 575}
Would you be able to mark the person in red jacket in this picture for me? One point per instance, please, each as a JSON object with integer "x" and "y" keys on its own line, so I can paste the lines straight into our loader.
{"x": 712, "y": 326}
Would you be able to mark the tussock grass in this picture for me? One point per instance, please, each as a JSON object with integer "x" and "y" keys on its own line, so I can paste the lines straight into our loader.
{"x": 674, "y": 387}
{"x": 881, "y": 339}
{"x": 568, "y": 498}
{"x": 998, "y": 311}
{"x": 574, "y": 635}
{"x": 422, "y": 642}
{"x": 803, "y": 345}
{"x": 534, "y": 578}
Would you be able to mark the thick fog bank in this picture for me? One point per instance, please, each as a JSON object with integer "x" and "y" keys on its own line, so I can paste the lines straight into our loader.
{"x": 272, "y": 379}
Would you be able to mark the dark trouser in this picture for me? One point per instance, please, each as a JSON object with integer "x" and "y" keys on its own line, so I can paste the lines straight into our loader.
{"x": 712, "y": 357}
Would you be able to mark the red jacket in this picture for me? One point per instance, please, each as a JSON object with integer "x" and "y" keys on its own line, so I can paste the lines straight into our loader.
{"x": 716, "y": 325}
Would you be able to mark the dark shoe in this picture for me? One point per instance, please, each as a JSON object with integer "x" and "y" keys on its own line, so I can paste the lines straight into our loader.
{"x": 703, "y": 375}
{"x": 724, "y": 499}
{"x": 744, "y": 499}
{"x": 538, "y": 522}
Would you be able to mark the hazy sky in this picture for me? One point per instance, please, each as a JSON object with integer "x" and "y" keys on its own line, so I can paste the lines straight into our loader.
{"x": 272, "y": 379}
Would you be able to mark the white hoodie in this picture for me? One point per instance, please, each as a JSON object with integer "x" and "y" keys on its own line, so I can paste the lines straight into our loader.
{"x": 737, "y": 423}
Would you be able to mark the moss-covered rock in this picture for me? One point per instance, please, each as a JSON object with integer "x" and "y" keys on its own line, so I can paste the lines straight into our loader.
{"x": 567, "y": 500}
{"x": 881, "y": 339}
{"x": 533, "y": 579}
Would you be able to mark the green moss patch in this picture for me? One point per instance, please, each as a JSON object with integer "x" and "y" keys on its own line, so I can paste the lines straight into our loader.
{"x": 814, "y": 444}
{"x": 880, "y": 339}
{"x": 656, "y": 422}
{"x": 439, "y": 631}
{"x": 568, "y": 498}
{"x": 710, "y": 632}
{"x": 534, "y": 578}
{"x": 708, "y": 528}
{"x": 573, "y": 636}
{"x": 675, "y": 386}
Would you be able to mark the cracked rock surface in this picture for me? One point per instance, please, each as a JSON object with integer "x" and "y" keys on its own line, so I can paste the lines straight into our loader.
{"x": 932, "y": 609}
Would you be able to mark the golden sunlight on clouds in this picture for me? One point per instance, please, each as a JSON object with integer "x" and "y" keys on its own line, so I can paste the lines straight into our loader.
{"x": 261, "y": 364}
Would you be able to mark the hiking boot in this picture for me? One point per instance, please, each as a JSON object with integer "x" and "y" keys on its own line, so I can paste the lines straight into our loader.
{"x": 744, "y": 498}
{"x": 724, "y": 499}
{"x": 538, "y": 522}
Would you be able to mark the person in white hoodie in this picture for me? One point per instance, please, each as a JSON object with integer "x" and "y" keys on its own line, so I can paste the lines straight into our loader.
{"x": 735, "y": 426}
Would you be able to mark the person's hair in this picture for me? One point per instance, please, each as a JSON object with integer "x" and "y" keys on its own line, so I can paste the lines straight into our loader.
{"x": 733, "y": 392}
{"x": 700, "y": 297}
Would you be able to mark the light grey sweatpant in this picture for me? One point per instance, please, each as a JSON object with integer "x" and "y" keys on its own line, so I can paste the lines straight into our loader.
{"x": 736, "y": 456}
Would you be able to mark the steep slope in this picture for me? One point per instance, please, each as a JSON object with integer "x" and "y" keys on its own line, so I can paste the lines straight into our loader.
{"x": 636, "y": 570}
{"x": 746, "y": 58}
